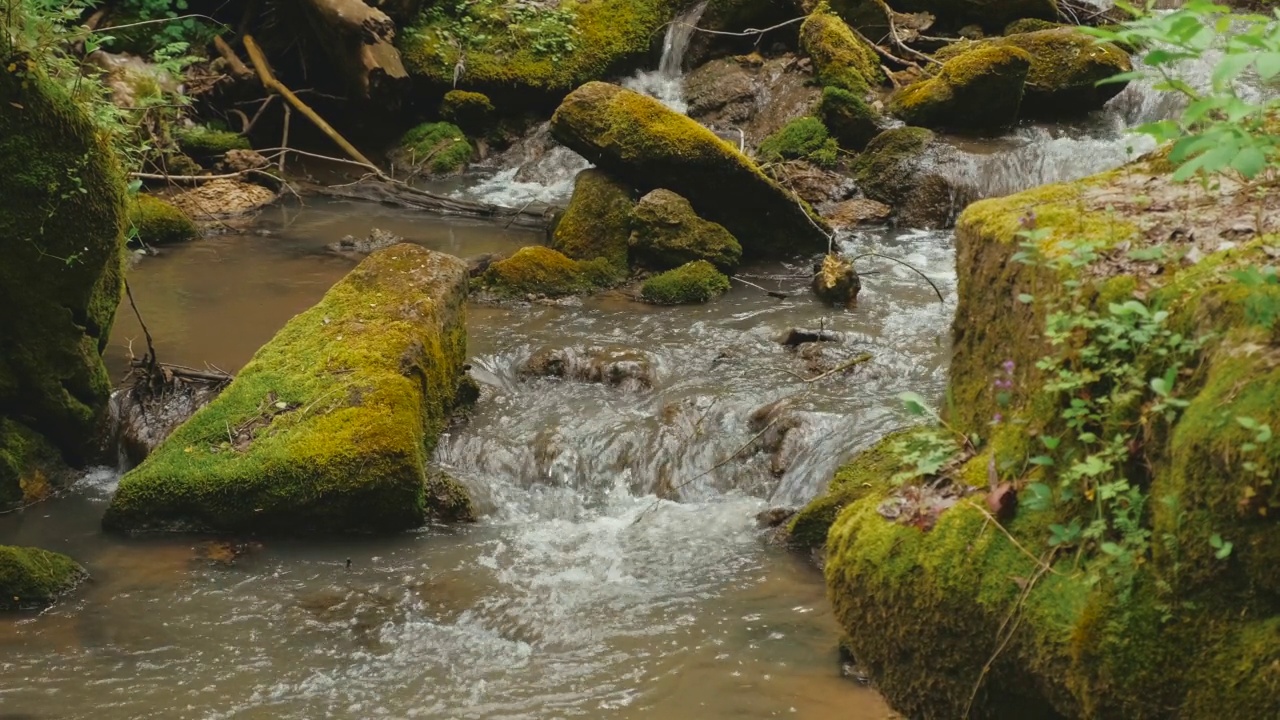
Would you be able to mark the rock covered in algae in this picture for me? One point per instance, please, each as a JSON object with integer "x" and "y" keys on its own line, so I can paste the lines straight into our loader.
{"x": 158, "y": 222}
{"x": 695, "y": 282}
{"x": 979, "y": 90}
{"x": 541, "y": 271}
{"x": 640, "y": 141}
{"x": 841, "y": 57}
{"x": 33, "y": 578}
{"x": 329, "y": 427}
{"x": 849, "y": 119}
{"x": 597, "y": 222}
{"x": 895, "y": 170}
{"x": 668, "y": 233}
{"x": 804, "y": 138}
{"x": 62, "y": 219}
{"x": 440, "y": 147}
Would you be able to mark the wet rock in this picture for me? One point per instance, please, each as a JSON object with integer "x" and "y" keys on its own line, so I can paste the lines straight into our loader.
{"x": 157, "y": 222}
{"x": 813, "y": 184}
{"x": 721, "y": 93}
{"x": 224, "y": 553}
{"x": 841, "y": 57}
{"x": 238, "y": 160}
{"x": 799, "y": 336}
{"x": 896, "y": 170}
{"x": 849, "y": 119}
{"x": 640, "y": 141}
{"x": 326, "y": 429}
{"x": 477, "y": 265}
{"x": 597, "y": 223}
{"x": 773, "y": 517}
{"x": 856, "y": 212}
{"x": 667, "y": 233}
{"x": 32, "y": 578}
{"x": 222, "y": 199}
{"x": 541, "y": 271}
{"x": 774, "y": 423}
{"x": 748, "y": 98}
{"x": 977, "y": 91}
{"x": 617, "y": 367}
{"x": 447, "y": 499}
{"x": 696, "y": 282}
{"x": 472, "y": 112}
{"x": 836, "y": 282}
{"x": 733, "y": 16}
{"x": 377, "y": 239}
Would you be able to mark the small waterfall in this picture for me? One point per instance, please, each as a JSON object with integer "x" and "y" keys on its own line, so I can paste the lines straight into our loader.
{"x": 667, "y": 82}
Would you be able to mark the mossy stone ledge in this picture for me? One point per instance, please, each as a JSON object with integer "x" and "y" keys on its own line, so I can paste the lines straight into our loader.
{"x": 31, "y": 578}
{"x": 329, "y": 426}
{"x": 643, "y": 143}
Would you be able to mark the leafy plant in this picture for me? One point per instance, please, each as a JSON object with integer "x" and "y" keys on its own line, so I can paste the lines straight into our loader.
{"x": 545, "y": 30}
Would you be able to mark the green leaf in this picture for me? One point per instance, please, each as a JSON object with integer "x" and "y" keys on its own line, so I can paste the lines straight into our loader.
{"x": 1037, "y": 496}
{"x": 1026, "y": 299}
{"x": 1041, "y": 460}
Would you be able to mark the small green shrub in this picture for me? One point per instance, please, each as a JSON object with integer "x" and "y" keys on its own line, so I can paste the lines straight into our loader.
{"x": 804, "y": 138}
{"x": 442, "y": 146}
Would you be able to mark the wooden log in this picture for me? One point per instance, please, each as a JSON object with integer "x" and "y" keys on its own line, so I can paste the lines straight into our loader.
{"x": 405, "y": 196}
{"x": 360, "y": 42}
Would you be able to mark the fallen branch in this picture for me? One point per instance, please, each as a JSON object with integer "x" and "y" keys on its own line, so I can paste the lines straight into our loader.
{"x": 864, "y": 357}
{"x": 906, "y": 265}
{"x": 771, "y": 293}
{"x": 186, "y": 373}
{"x": 238, "y": 68}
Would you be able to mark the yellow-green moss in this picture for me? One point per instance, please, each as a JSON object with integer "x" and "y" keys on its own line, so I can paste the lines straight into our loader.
{"x": 978, "y": 90}
{"x": 885, "y": 170}
{"x": 804, "y": 138}
{"x": 540, "y": 270}
{"x": 841, "y": 58}
{"x": 158, "y": 222}
{"x": 851, "y": 121}
{"x": 597, "y": 222}
{"x": 472, "y": 112}
{"x": 696, "y": 282}
{"x": 1026, "y": 25}
{"x": 328, "y": 428}
{"x": 27, "y": 461}
{"x": 645, "y": 144}
{"x": 667, "y": 233}
{"x": 62, "y": 216}
{"x": 33, "y": 578}
{"x": 205, "y": 143}
{"x": 991, "y": 15}
{"x": 441, "y": 147}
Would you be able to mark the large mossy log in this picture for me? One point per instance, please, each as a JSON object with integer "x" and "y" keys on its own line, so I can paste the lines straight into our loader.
{"x": 329, "y": 427}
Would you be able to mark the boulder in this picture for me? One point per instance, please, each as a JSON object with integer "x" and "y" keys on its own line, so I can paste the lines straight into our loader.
{"x": 158, "y": 222}
{"x": 849, "y": 119}
{"x": 859, "y": 211}
{"x": 541, "y": 271}
{"x": 472, "y": 112}
{"x": 32, "y": 578}
{"x": 894, "y": 170}
{"x": 991, "y": 15}
{"x": 747, "y": 98}
{"x": 977, "y": 91}
{"x": 841, "y": 57}
{"x": 440, "y": 148}
{"x": 667, "y": 233}
{"x": 597, "y": 222}
{"x": 62, "y": 220}
{"x": 329, "y": 426}
{"x": 696, "y": 282}
{"x": 637, "y": 139}
{"x": 836, "y": 281}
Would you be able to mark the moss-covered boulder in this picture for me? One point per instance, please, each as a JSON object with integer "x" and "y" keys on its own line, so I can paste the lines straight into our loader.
{"x": 329, "y": 427}
{"x": 841, "y": 57}
{"x": 32, "y": 578}
{"x": 537, "y": 270}
{"x": 597, "y": 222}
{"x": 849, "y": 119}
{"x": 979, "y": 90}
{"x": 836, "y": 281}
{"x": 696, "y": 282}
{"x": 667, "y": 233}
{"x": 638, "y": 140}
{"x": 157, "y": 222}
{"x": 894, "y": 170}
{"x": 1026, "y": 25}
{"x": 28, "y": 464}
{"x": 440, "y": 147}
{"x": 62, "y": 218}
{"x": 1066, "y": 66}
{"x": 804, "y": 138}
{"x": 472, "y": 112}
{"x": 991, "y": 15}
{"x": 207, "y": 144}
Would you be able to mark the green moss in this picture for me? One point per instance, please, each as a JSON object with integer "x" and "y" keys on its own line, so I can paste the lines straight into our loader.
{"x": 160, "y": 223}
{"x": 1026, "y": 25}
{"x": 27, "y": 462}
{"x": 851, "y": 121}
{"x": 61, "y": 232}
{"x": 841, "y": 58}
{"x": 540, "y": 270}
{"x": 597, "y": 222}
{"x": 991, "y": 15}
{"x": 328, "y": 428}
{"x": 696, "y": 282}
{"x": 448, "y": 500}
{"x": 979, "y": 90}
{"x": 205, "y": 143}
{"x": 885, "y": 169}
{"x": 441, "y": 146}
{"x": 804, "y": 138}
{"x": 470, "y": 111}
{"x": 33, "y": 578}
{"x": 667, "y": 233}
{"x": 643, "y": 143}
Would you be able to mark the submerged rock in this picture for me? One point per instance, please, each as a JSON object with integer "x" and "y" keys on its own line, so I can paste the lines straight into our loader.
{"x": 637, "y": 139}
{"x": 32, "y": 578}
{"x": 377, "y": 239}
{"x": 841, "y": 57}
{"x": 541, "y": 271}
{"x": 667, "y": 233}
{"x": 329, "y": 427}
{"x": 597, "y": 222}
{"x": 696, "y": 282}
{"x": 158, "y": 222}
{"x": 617, "y": 367}
{"x": 980, "y": 90}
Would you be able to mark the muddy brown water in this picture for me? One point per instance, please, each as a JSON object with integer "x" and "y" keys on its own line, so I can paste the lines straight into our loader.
{"x": 580, "y": 593}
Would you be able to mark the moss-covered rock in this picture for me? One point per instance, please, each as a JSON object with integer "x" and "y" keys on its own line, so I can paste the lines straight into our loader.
{"x": 638, "y": 140}
{"x": 667, "y": 233}
{"x": 328, "y": 428}
{"x": 1026, "y": 25}
{"x": 62, "y": 217}
{"x": 33, "y": 578}
{"x": 158, "y": 222}
{"x": 836, "y": 281}
{"x": 991, "y": 15}
{"x": 440, "y": 147}
{"x": 537, "y": 270}
{"x": 472, "y": 112}
{"x": 892, "y": 170}
{"x": 841, "y": 58}
{"x": 849, "y": 119}
{"x": 27, "y": 464}
{"x": 597, "y": 222}
{"x": 205, "y": 143}
{"x": 1066, "y": 66}
{"x": 696, "y": 282}
{"x": 733, "y": 16}
{"x": 804, "y": 138}
{"x": 979, "y": 90}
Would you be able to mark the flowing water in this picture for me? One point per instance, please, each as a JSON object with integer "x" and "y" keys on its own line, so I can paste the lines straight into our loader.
{"x": 617, "y": 572}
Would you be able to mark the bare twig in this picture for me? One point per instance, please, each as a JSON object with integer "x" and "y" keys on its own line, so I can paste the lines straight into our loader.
{"x": 906, "y": 265}
{"x": 150, "y": 357}
{"x": 770, "y": 293}
{"x": 864, "y": 357}
{"x": 284, "y": 139}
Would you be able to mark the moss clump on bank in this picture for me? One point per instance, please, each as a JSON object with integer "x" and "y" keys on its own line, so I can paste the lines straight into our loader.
{"x": 804, "y": 138}
{"x": 537, "y": 270}
{"x": 160, "y": 223}
{"x": 840, "y": 57}
{"x": 850, "y": 120}
{"x": 979, "y": 90}
{"x": 597, "y": 222}
{"x": 27, "y": 463}
{"x": 206, "y": 143}
{"x": 33, "y": 578}
{"x": 442, "y": 147}
{"x": 696, "y": 282}
{"x": 328, "y": 428}
{"x": 668, "y": 233}
{"x": 472, "y": 112}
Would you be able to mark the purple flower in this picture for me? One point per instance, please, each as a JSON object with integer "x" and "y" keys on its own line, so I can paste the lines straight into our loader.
{"x": 997, "y": 419}
{"x": 1008, "y": 366}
